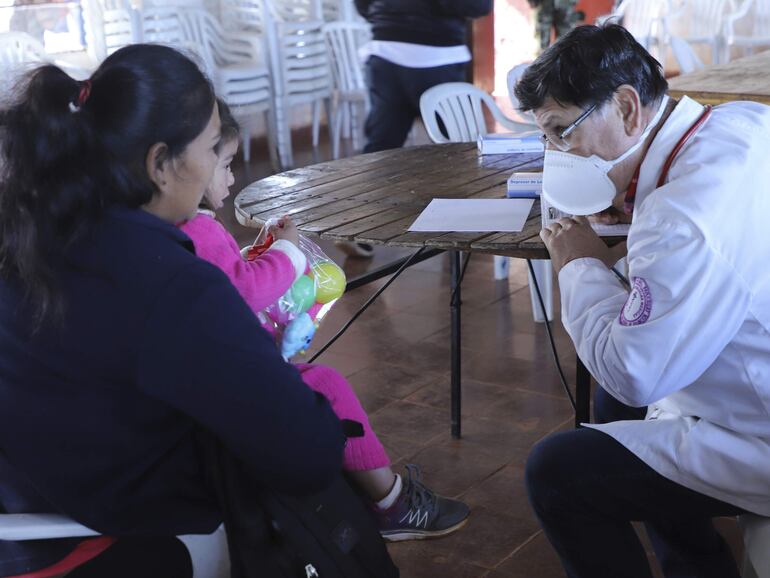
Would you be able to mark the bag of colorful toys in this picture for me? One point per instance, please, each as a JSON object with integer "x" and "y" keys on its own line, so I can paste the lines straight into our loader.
{"x": 294, "y": 318}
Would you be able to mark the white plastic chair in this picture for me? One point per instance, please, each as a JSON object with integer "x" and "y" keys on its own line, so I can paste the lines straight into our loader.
{"x": 209, "y": 553}
{"x": 702, "y": 22}
{"x": 298, "y": 62}
{"x": 513, "y": 77}
{"x": 351, "y": 96}
{"x": 109, "y": 25}
{"x": 233, "y": 62}
{"x": 460, "y": 106}
{"x": 685, "y": 56}
{"x": 642, "y": 18}
{"x": 756, "y": 543}
{"x": 19, "y": 53}
{"x": 756, "y": 17}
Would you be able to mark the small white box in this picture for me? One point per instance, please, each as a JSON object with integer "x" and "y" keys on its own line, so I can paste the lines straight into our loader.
{"x": 525, "y": 185}
{"x": 509, "y": 143}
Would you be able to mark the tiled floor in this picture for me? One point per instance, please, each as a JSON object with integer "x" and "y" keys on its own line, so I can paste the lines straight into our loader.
{"x": 397, "y": 358}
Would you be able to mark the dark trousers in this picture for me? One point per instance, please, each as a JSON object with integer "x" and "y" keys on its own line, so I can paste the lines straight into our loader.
{"x": 586, "y": 489}
{"x": 160, "y": 557}
{"x": 394, "y": 93}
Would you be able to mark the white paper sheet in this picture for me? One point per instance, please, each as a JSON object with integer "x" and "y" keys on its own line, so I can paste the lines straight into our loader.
{"x": 611, "y": 230}
{"x": 474, "y": 215}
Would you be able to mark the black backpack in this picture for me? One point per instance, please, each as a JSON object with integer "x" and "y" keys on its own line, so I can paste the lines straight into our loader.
{"x": 331, "y": 534}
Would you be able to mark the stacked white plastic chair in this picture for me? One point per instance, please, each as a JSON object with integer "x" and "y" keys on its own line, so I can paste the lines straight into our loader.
{"x": 702, "y": 22}
{"x": 109, "y": 25}
{"x": 297, "y": 59}
{"x": 234, "y": 62}
{"x": 748, "y": 27}
{"x": 207, "y": 551}
{"x": 351, "y": 97}
{"x": 460, "y": 106}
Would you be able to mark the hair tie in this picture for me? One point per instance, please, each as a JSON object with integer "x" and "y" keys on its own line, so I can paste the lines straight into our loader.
{"x": 83, "y": 94}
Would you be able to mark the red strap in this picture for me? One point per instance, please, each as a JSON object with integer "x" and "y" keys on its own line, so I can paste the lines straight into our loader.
{"x": 256, "y": 250}
{"x": 83, "y": 552}
{"x": 630, "y": 200}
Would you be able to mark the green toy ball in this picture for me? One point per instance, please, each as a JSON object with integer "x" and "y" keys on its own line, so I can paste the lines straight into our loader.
{"x": 329, "y": 281}
{"x": 303, "y": 294}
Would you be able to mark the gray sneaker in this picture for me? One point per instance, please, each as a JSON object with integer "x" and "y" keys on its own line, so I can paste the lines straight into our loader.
{"x": 420, "y": 513}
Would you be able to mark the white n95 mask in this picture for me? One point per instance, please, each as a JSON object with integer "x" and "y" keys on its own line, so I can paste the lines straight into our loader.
{"x": 580, "y": 185}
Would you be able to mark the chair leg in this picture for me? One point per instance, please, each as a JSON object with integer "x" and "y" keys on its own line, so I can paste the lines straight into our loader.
{"x": 246, "y": 138}
{"x": 501, "y": 264}
{"x": 544, "y": 276}
{"x": 283, "y": 137}
{"x": 272, "y": 141}
{"x": 335, "y": 135}
{"x": 316, "y": 122}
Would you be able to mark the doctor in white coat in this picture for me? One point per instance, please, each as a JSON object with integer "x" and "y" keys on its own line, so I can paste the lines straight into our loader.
{"x": 681, "y": 352}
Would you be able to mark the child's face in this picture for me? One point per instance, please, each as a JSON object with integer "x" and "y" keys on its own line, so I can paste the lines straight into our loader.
{"x": 223, "y": 177}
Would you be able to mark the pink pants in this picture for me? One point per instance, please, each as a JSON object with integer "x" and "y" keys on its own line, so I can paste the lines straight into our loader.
{"x": 364, "y": 453}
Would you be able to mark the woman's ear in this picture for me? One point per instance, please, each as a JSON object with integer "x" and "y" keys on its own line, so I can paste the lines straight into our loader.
{"x": 157, "y": 165}
{"x": 630, "y": 109}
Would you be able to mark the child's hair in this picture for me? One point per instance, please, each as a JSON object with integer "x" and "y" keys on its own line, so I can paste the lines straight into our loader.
{"x": 69, "y": 150}
{"x": 230, "y": 127}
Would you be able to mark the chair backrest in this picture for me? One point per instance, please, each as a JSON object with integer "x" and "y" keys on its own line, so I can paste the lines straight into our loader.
{"x": 460, "y": 106}
{"x": 685, "y": 56}
{"x": 109, "y": 25}
{"x": 296, "y": 10}
{"x": 705, "y": 18}
{"x": 514, "y": 75}
{"x": 20, "y": 48}
{"x": 299, "y": 60}
{"x": 246, "y": 15}
{"x": 343, "y": 40}
{"x": 641, "y": 17}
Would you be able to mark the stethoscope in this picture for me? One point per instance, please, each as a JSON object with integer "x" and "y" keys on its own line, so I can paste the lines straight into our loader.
{"x": 631, "y": 193}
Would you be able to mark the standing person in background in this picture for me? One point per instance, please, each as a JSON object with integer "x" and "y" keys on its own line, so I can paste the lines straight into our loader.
{"x": 417, "y": 45}
{"x": 555, "y": 16}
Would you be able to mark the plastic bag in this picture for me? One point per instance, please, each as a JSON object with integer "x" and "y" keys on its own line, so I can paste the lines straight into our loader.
{"x": 294, "y": 318}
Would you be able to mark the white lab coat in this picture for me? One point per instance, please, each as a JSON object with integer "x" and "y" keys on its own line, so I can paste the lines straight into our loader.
{"x": 692, "y": 340}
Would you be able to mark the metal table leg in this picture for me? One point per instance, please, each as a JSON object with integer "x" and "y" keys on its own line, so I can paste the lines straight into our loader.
{"x": 582, "y": 394}
{"x": 455, "y": 306}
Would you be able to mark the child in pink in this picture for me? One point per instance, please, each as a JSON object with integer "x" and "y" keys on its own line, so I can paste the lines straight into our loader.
{"x": 406, "y": 508}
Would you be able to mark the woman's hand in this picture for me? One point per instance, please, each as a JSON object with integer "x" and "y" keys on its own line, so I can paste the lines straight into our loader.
{"x": 285, "y": 229}
{"x": 573, "y": 238}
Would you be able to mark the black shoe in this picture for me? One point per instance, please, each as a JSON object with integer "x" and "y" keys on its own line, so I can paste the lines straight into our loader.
{"x": 420, "y": 513}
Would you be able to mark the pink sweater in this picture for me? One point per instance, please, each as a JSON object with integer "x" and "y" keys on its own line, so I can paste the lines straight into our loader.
{"x": 260, "y": 282}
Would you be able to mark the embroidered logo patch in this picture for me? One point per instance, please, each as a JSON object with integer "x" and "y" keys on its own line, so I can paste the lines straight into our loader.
{"x": 639, "y": 304}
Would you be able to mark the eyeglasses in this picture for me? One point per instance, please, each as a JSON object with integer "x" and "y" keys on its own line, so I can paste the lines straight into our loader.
{"x": 561, "y": 141}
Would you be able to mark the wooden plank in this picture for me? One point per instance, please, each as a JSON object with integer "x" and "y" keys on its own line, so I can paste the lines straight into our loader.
{"x": 271, "y": 193}
{"x": 746, "y": 78}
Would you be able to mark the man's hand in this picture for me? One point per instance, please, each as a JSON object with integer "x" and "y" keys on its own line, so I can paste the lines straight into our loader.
{"x": 573, "y": 238}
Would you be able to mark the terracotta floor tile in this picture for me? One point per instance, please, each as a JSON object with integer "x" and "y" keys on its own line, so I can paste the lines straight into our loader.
{"x": 536, "y": 559}
{"x": 409, "y": 421}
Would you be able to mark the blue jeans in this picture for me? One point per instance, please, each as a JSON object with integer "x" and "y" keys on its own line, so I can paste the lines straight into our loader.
{"x": 586, "y": 489}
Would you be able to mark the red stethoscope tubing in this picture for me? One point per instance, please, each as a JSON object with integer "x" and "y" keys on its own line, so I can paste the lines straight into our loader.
{"x": 683, "y": 141}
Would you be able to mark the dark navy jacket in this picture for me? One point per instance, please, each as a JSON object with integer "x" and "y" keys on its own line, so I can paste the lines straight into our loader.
{"x": 97, "y": 414}
{"x": 430, "y": 22}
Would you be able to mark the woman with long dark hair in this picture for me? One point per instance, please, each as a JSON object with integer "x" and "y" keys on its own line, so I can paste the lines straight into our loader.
{"x": 118, "y": 345}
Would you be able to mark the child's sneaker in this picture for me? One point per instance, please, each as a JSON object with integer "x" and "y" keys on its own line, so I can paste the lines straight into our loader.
{"x": 419, "y": 513}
